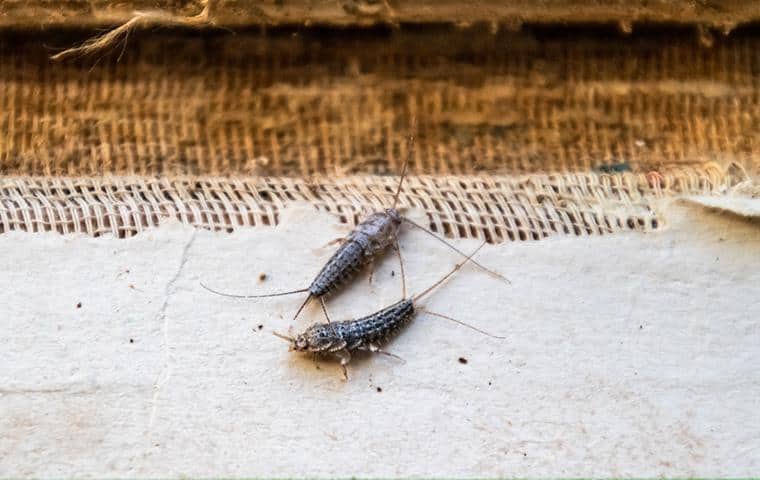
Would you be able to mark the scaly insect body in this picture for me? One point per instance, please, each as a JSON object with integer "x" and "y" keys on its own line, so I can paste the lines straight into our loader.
{"x": 370, "y": 238}
{"x": 366, "y": 333}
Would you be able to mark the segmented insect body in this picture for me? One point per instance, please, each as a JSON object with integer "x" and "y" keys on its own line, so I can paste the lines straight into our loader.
{"x": 370, "y": 238}
{"x": 366, "y": 333}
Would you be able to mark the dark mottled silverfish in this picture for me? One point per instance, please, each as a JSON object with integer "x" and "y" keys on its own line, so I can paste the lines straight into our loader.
{"x": 367, "y": 333}
{"x": 373, "y": 236}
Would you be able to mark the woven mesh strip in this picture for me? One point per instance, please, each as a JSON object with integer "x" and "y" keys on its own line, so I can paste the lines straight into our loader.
{"x": 497, "y": 208}
{"x": 343, "y": 104}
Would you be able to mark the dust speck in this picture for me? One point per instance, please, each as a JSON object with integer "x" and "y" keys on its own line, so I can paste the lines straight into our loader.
{"x": 463, "y": 360}
{"x": 79, "y": 305}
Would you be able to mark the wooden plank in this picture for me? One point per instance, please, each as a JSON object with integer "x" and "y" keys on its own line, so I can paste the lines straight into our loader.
{"x": 725, "y": 14}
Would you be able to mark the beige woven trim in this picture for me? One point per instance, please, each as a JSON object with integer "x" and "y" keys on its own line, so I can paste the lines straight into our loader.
{"x": 496, "y": 208}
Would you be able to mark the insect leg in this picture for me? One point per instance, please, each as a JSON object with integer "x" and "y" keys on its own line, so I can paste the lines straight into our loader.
{"x": 345, "y": 357}
{"x": 375, "y": 349}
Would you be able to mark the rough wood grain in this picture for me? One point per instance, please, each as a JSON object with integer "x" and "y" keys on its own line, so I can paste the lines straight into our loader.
{"x": 723, "y": 14}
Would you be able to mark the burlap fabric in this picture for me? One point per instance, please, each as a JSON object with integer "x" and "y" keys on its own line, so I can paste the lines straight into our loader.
{"x": 518, "y": 135}
{"x": 343, "y": 104}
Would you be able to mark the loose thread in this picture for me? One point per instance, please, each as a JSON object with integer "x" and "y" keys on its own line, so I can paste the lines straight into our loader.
{"x": 140, "y": 18}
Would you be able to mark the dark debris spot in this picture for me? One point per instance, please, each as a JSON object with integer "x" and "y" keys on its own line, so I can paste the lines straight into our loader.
{"x": 262, "y": 276}
{"x": 261, "y": 327}
{"x": 131, "y": 340}
{"x": 79, "y": 305}
{"x": 393, "y": 273}
{"x": 463, "y": 360}
{"x": 379, "y": 389}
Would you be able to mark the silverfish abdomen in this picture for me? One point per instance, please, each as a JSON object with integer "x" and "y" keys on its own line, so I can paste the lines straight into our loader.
{"x": 375, "y": 234}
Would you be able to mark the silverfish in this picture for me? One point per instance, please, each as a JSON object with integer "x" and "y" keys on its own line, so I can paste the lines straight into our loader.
{"x": 367, "y": 333}
{"x": 373, "y": 236}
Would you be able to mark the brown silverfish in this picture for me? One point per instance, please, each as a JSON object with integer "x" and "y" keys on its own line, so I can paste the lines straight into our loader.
{"x": 367, "y": 333}
{"x": 373, "y": 236}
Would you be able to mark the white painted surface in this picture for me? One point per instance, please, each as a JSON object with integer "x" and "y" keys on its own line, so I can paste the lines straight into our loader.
{"x": 628, "y": 355}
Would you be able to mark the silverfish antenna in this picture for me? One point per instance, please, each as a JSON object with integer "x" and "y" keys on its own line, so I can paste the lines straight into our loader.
{"x": 488, "y": 270}
{"x": 446, "y": 317}
{"x": 401, "y": 180}
{"x": 410, "y": 150}
{"x": 283, "y": 336}
{"x": 452, "y": 272}
{"x": 279, "y": 294}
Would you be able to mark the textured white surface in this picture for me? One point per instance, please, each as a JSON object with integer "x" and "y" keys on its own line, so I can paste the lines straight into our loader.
{"x": 747, "y": 206}
{"x": 628, "y": 355}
